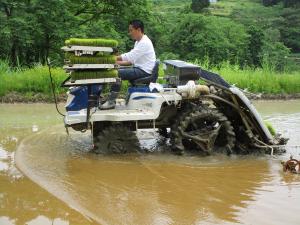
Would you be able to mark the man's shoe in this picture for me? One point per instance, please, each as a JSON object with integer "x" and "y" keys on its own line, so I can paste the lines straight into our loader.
{"x": 111, "y": 101}
{"x": 108, "y": 105}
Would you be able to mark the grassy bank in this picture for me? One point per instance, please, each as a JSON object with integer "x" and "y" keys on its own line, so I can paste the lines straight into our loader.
{"x": 29, "y": 81}
{"x": 36, "y": 82}
{"x": 259, "y": 80}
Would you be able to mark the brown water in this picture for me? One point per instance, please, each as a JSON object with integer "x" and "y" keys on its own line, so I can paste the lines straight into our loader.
{"x": 64, "y": 184}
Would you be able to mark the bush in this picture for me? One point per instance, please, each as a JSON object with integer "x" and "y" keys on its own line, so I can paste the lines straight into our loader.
{"x": 168, "y": 55}
{"x": 274, "y": 53}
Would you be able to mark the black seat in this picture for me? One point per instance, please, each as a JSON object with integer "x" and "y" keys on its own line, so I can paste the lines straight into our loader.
{"x": 149, "y": 79}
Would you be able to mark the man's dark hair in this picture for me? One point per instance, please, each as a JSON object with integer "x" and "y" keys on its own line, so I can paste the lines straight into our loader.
{"x": 137, "y": 24}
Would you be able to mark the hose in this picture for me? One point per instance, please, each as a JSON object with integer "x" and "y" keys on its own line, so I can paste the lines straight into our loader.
{"x": 53, "y": 87}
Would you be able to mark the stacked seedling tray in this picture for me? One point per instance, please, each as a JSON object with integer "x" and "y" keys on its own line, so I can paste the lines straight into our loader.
{"x": 90, "y": 61}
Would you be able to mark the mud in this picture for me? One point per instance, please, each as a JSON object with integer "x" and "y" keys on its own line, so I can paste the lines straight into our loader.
{"x": 15, "y": 97}
{"x": 275, "y": 96}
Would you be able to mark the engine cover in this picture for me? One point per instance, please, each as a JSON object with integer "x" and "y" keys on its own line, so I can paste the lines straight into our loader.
{"x": 178, "y": 72}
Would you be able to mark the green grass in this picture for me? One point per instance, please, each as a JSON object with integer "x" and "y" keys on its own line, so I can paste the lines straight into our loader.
{"x": 33, "y": 80}
{"x": 260, "y": 80}
{"x": 36, "y": 79}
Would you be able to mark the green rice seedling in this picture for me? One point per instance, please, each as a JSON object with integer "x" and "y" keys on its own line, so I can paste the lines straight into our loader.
{"x": 68, "y": 55}
{"x": 92, "y": 59}
{"x": 270, "y": 127}
{"x": 79, "y": 75}
{"x": 100, "y": 42}
{"x": 67, "y": 42}
{"x": 104, "y": 54}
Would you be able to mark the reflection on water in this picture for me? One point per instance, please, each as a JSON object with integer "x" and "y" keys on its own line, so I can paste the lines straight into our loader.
{"x": 157, "y": 188}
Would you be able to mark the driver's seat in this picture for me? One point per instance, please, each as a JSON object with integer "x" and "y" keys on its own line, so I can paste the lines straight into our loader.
{"x": 145, "y": 81}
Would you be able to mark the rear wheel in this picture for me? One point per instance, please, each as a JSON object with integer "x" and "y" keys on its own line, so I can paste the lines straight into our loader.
{"x": 163, "y": 132}
{"x": 115, "y": 139}
{"x": 203, "y": 129}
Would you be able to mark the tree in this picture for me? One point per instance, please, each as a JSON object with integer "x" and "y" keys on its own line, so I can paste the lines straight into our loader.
{"x": 290, "y": 29}
{"x": 256, "y": 38}
{"x": 270, "y": 2}
{"x": 291, "y": 3}
{"x": 16, "y": 25}
{"x": 199, "y": 5}
{"x": 274, "y": 52}
{"x": 31, "y": 30}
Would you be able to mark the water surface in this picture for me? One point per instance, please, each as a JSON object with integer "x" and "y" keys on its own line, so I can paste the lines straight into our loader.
{"x": 65, "y": 184}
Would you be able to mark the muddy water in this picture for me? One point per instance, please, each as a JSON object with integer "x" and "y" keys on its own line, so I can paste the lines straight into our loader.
{"x": 64, "y": 184}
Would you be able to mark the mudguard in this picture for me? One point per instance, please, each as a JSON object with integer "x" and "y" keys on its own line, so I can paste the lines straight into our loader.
{"x": 251, "y": 112}
{"x": 241, "y": 101}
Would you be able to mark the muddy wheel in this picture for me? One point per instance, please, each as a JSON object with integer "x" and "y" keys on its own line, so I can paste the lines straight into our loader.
{"x": 163, "y": 132}
{"x": 204, "y": 129}
{"x": 116, "y": 139}
{"x": 176, "y": 144}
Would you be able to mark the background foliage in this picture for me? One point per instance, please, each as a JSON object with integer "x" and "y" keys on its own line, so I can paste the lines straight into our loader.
{"x": 252, "y": 35}
{"x": 246, "y": 32}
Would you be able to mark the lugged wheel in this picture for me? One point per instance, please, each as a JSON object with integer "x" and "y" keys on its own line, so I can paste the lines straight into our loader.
{"x": 116, "y": 139}
{"x": 204, "y": 129}
{"x": 163, "y": 132}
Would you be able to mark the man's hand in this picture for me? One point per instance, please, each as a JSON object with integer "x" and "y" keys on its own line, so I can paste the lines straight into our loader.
{"x": 124, "y": 63}
{"x": 121, "y": 62}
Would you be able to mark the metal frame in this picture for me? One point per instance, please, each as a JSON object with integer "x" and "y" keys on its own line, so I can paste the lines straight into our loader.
{"x": 88, "y": 82}
{"x": 89, "y": 66}
{"x": 69, "y": 83}
{"x": 87, "y": 48}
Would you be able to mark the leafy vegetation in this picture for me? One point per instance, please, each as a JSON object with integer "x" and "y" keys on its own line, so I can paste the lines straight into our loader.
{"x": 199, "y": 5}
{"x": 251, "y": 33}
{"x": 219, "y": 39}
{"x": 252, "y": 43}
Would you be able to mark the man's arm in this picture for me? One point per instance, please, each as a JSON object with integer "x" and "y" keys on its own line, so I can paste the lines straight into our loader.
{"x": 122, "y": 63}
{"x": 135, "y": 53}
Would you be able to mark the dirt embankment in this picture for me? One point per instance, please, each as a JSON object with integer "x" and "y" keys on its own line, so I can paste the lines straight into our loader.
{"x": 276, "y": 96}
{"x": 15, "y": 97}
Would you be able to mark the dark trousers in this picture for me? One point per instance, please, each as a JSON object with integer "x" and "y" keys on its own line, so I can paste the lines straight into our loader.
{"x": 130, "y": 73}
